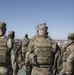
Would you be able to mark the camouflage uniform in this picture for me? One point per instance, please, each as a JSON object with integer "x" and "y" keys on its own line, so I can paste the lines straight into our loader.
{"x": 36, "y": 36}
{"x": 68, "y": 56}
{"x": 4, "y": 51}
{"x": 11, "y": 35}
{"x": 25, "y": 43}
{"x": 16, "y": 58}
{"x": 44, "y": 52}
{"x": 14, "y": 52}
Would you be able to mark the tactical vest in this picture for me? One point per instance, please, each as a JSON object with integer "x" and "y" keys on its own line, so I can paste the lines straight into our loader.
{"x": 69, "y": 51}
{"x": 25, "y": 43}
{"x": 3, "y": 50}
{"x": 44, "y": 51}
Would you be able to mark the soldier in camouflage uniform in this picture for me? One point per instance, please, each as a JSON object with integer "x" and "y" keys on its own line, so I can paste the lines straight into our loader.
{"x": 68, "y": 56}
{"x": 41, "y": 53}
{"x": 25, "y": 43}
{"x": 35, "y": 36}
{"x": 15, "y": 53}
{"x": 11, "y": 36}
{"x": 16, "y": 58}
{"x": 4, "y": 51}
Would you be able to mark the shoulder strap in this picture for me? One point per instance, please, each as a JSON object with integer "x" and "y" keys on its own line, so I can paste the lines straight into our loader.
{"x": 68, "y": 45}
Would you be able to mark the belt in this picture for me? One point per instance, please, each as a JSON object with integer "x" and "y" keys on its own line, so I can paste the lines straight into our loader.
{"x": 42, "y": 66}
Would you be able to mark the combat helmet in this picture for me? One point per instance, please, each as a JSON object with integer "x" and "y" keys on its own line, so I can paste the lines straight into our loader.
{"x": 42, "y": 26}
{"x": 71, "y": 35}
{"x": 2, "y": 25}
{"x": 11, "y": 32}
{"x": 2, "y": 28}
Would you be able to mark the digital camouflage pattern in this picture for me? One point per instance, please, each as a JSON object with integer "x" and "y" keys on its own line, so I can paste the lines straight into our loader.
{"x": 45, "y": 51}
{"x": 14, "y": 52}
{"x": 68, "y": 57}
{"x": 16, "y": 58}
{"x": 4, "y": 51}
{"x": 36, "y": 36}
{"x": 25, "y": 43}
{"x": 4, "y": 61}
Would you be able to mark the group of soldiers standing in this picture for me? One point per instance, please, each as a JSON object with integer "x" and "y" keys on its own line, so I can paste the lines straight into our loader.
{"x": 40, "y": 54}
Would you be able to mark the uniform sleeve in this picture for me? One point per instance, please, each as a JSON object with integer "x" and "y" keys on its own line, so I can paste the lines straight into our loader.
{"x": 30, "y": 49}
{"x": 57, "y": 58}
{"x": 13, "y": 58}
{"x": 9, "y": 43}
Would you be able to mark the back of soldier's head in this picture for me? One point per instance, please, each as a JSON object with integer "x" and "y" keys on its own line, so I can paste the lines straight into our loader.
{"x": 26, "y": 35}
{"x": 2, "y": 24}
{"x": 11, "y": 34}
{"x": 2, "y": 28}
{"x": 42, "y": 26}
{"x": 42, "y": 29}
{"x": 71, "y": 36}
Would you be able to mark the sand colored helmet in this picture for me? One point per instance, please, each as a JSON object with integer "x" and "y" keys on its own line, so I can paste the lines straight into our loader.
{"x": 71, "y": 35}
{"x": 2, "y": 28}
{"x": 2, "y": 25}
{"x": 42, "y": 27}
{"x": 26, "y": 35}
{"x": 11, "y": 32}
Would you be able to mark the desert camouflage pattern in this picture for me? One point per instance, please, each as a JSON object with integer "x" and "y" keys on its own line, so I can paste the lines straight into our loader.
{"x": 68, "y": 59}
{"x": 4, "y": 58}
{"x": 25, "y": 43}
{"x": 16, "y": 58}
{"x": 36, "y": 36}
{"x": 45, "y": 51}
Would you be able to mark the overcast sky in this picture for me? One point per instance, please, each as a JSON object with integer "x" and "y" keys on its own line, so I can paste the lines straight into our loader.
{"x": 22, "y": 16}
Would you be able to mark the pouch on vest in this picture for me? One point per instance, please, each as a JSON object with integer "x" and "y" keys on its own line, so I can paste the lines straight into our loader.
{"x": 33, "y": 59}
{"x": 64, "y": 56}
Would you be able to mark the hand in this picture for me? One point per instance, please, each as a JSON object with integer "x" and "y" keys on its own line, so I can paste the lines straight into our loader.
{"x": 20, "y": 66}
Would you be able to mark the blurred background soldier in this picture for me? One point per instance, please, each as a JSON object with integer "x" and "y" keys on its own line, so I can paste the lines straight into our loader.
{"x": 11, "y": 36}
{"x": 68, "y": 56}
{"x": 25, "y": 43}
{"x": 41, "y": 54}
{"x": 15, "y": 52}
{"x": 4, "y": 51}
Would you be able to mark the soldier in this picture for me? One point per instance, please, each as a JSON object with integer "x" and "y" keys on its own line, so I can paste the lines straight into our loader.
{"x": 25, "y": 43}
{"x": 41, "y": 54}
{"x": 11, "y": 36}
{"x": 4, "y": 51}
{"x": 16, "y": 58}
{"x": 35, "y": 36}
{"x": 15, "y": 52}
{"x": 68, "y": 56}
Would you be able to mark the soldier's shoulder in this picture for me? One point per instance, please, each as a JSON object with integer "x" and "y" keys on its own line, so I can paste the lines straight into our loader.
{"x": 65, "y": 45}
{"x": 34, "y": 37}
{"x": 53, "y": 42}
{"x": 49, "y": 37}
{"x": 4, "y": 37}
